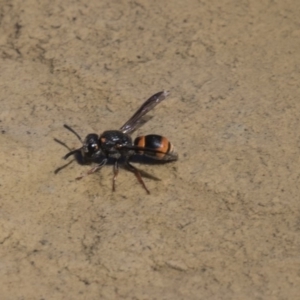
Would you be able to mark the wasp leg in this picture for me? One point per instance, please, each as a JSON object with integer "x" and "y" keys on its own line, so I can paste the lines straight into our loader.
{"x": 93, "y": 170}
{"x": 137, "y": 175}
{"x": 116, "y": 172}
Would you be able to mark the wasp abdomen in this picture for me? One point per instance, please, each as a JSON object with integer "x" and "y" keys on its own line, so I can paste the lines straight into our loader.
{"x": 161, "y": 146}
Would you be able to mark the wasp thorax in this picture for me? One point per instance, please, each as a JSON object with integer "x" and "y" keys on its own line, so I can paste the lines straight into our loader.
{"x": 90, "y": 144}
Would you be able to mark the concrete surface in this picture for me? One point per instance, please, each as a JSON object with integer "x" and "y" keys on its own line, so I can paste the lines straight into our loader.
{"x": 223, "y": 222}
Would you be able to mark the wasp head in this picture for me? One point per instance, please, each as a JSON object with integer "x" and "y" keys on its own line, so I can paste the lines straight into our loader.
{"x": 91, "y": 146}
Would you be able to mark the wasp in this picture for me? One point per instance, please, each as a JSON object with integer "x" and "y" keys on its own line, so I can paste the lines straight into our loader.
{"x": 119, "y": 146}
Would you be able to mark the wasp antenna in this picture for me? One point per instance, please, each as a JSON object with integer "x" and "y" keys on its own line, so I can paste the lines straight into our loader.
{"x": 166, "y": 93}
{"x": 73, "y": 131}
{"x": 62, "y": 143}
{"x": 71, "y": 153}
{"x": 63, "y": 167}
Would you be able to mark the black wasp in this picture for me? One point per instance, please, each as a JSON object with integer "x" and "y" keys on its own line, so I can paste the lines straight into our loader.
{"x": 118, "y": 144}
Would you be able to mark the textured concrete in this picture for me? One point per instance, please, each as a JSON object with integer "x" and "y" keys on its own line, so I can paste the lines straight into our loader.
{"x": 223, "y": 222}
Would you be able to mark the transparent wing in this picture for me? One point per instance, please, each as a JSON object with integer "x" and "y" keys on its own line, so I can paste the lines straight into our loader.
{"x": 138, "y": 119}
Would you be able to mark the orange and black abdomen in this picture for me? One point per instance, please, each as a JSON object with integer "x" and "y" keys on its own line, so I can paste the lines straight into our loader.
{"x": 156, "y": 146}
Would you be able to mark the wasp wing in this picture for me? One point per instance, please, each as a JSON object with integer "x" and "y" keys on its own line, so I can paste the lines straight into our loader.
{"x": 137, "y": 119}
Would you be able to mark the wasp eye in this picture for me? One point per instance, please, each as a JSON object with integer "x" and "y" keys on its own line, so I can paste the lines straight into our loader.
{"x": 92, "y": 147}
